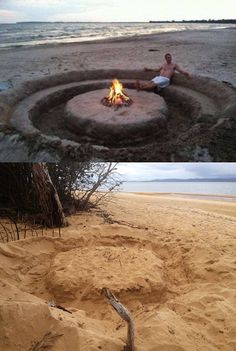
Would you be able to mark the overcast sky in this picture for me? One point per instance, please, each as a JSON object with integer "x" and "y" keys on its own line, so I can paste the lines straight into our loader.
{"x": 149, "y": 171}
{"x": 114, "y": 10}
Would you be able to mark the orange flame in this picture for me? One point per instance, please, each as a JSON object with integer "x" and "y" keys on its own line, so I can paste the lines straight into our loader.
{"x": 116, "y": 96}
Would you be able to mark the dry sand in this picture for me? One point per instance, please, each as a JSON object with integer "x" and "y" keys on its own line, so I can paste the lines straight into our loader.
{"x": 170, "y": 260}
{"x": 208, "y": 53}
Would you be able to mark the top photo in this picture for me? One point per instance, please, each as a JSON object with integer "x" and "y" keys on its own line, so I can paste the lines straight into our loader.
{"x": 130, "y": 81}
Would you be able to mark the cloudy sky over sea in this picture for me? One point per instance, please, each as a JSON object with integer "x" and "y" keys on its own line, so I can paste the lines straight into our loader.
{"x": 149, "y": 171}
{"x": 114, "y": 10}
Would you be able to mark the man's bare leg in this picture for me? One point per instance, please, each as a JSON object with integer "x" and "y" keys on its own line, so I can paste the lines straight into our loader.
{"x": 147, "y": 86}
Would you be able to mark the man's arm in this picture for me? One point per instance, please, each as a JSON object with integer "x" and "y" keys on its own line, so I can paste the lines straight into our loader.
{"x": 180, "y": 70}
{"x": 153, "y": 69}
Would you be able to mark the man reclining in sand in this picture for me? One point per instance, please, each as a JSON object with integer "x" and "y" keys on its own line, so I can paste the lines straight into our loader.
{"x": 167, "y": 71}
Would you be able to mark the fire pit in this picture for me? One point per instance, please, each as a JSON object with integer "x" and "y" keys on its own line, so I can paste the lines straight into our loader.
{"x": 70, "y": 116}
{"x": 120, "y": 117}
{"x": 116, "y": 98}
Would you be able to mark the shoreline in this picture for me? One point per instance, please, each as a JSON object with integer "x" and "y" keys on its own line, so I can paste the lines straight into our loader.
{"x": 184, "y": 203}
{"x": 193, "y": 195}
{"x": 218, "y": 61}
{"x": 171, "y": 262}
{"x": 132, "y": 54}
{"x": 125, "y": 39}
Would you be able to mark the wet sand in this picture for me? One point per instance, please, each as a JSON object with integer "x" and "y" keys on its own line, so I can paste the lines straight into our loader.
{"x": 208, "y": 53}
{"x": 170, "y": 260}
{"x": 218, "y": 197}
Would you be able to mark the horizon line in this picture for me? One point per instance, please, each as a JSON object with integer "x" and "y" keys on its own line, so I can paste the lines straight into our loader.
{"x": 148, "y": 21}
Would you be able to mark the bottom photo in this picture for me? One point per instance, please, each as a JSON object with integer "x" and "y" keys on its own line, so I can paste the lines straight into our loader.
{"x": 118, "y": 256}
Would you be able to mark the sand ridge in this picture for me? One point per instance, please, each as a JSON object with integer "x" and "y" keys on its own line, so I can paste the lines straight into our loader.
{"x": 203, "y": 139}
{"x": 170, "y": 261}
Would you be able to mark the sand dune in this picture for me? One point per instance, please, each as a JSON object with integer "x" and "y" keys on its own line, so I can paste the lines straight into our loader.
{"x": 170, "y": 260}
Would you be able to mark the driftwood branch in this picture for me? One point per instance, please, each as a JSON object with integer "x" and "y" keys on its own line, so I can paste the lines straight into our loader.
{"x": 124, "y": 314}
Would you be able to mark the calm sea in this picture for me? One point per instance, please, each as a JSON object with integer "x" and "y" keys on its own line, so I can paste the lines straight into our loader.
{"x": 208, "y": 188}
{"x": 21, "y": 34}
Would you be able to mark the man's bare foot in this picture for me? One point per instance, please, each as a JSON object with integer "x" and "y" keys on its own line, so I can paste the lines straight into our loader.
{"x": 137, "y": 85}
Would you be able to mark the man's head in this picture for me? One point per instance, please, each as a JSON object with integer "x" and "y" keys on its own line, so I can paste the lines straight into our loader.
{"x": 168, "y": 57}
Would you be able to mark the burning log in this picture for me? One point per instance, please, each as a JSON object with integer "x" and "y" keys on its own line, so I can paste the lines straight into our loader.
{"x": 116, "y": 98}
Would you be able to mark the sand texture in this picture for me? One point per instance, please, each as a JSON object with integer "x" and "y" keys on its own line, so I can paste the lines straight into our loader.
{"x": 201, "y": 110}
{"x": 208, "y": 53}
{"x": 170, "y": 260}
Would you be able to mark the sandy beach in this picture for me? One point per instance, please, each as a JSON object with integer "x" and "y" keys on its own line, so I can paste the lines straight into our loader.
{"x": 208, "y": 53}
{"x": 197, "y": 123}
{"x": 169, "y": 259}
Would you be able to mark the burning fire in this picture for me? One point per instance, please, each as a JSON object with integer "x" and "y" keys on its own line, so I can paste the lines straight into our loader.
{"x": 116, "y": 97}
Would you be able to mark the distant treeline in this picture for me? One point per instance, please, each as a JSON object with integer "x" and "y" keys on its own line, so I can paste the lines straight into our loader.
{"x": 39, "y": 22}
{"x": 198, "y": 21}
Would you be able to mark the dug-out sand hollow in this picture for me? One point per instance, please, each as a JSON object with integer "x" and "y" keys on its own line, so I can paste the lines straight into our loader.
{"x": 182, "y": 124}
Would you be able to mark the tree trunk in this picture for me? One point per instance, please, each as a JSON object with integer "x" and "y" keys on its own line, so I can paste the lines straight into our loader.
{"x": 49, "y": 201}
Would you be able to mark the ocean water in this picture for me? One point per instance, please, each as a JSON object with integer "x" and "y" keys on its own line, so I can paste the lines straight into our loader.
{"x": 32, "y": 34}
{"x": 208, "y": 188}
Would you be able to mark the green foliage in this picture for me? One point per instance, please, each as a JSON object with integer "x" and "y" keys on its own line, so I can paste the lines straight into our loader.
{"x": 81, "y": 185}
